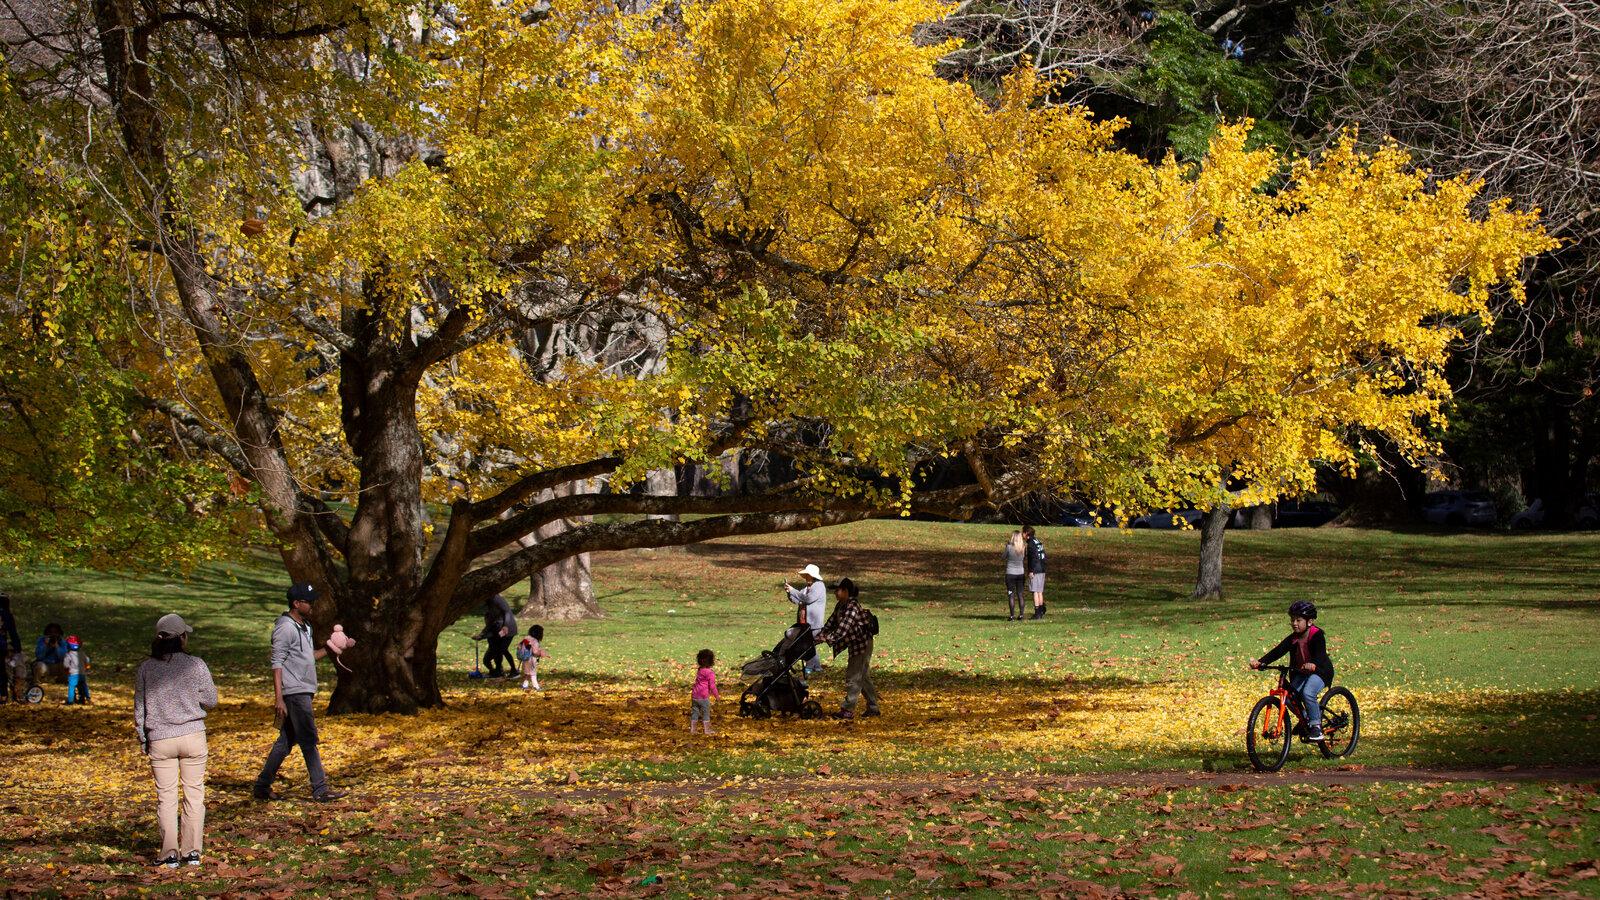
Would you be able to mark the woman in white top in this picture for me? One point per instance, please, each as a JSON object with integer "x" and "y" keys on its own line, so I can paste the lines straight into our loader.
{"x": 813, "y": 601}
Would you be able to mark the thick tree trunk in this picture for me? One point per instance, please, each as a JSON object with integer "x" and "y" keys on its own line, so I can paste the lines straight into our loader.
{"x": 1208, "y": 586}
{"x": 732, "y": 470}
{"x": 662, "y": 483}
{"x": 393, "y": 668}
{"x": 1552, "y": 462}
{"x": 1261, "y": 517}
{"x": 564, "y": 590}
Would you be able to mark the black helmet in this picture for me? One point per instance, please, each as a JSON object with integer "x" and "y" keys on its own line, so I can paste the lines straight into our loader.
{"x": 1303, "y": 609}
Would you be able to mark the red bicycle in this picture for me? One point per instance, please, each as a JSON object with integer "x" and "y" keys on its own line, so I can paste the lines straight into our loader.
{"x": 1267, "y": 735}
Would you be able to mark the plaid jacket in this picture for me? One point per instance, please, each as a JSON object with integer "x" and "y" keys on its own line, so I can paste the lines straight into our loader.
{"x": 849, "y": 628}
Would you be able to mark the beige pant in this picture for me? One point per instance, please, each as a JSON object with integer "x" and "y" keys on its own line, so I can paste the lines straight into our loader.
{"x": 173, "y": 760}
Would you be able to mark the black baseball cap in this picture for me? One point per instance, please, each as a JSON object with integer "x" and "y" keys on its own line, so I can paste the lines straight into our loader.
{"x": 302, "y": 590}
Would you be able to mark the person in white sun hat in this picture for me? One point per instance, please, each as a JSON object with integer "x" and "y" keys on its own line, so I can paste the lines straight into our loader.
{"x": 812, "y": 600}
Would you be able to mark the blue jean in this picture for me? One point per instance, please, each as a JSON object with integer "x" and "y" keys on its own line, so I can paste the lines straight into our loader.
{"x": 75, "y": 692}
{"x": 1308, "y": 688}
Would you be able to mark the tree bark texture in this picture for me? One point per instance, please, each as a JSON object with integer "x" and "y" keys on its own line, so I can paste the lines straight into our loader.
{"x": 1208, "y": 584}
{"x": 564, "y": 590}
{"x": 1261, "y": 517}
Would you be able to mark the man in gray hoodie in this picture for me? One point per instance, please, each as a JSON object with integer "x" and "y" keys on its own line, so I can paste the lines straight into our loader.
{"x": 294, "y": 685}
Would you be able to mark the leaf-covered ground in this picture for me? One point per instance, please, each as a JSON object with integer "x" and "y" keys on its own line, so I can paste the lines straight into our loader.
{"x": 1466, "y": 651}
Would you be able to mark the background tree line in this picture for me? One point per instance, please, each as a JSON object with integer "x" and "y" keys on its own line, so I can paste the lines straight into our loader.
{"x": 1505, "y": 90}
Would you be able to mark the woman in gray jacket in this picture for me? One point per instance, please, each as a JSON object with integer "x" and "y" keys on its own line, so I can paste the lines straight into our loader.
{"x": 171, "y": 694}
{"x": 1016, "y": 578}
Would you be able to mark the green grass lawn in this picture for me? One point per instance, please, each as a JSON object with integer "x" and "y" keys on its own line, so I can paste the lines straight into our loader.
{"x": 1467, "y": 650}
{"x": 1418, "y": 610}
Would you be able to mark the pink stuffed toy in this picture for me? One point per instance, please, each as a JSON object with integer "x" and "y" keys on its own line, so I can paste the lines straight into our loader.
{"x": 338, "y": 642}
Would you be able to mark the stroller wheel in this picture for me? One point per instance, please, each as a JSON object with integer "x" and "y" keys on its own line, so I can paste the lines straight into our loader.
{"x": 35, "y": 694}
{"x": 811, "y": 709}
{"x": 752, "y": 706}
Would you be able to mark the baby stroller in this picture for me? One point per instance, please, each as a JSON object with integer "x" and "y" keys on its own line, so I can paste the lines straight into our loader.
{"x": 779, "y": 689}
{"x": 18, "y": 673}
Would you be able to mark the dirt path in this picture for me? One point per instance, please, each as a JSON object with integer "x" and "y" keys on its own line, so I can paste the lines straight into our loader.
{"x": 930, "y": 783}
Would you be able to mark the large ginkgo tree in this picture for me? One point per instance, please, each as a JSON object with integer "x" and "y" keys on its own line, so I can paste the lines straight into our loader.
{"x": 299, "y": 258}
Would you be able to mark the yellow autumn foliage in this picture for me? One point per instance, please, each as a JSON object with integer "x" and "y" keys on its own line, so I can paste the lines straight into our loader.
{"x": 819, "y": 226}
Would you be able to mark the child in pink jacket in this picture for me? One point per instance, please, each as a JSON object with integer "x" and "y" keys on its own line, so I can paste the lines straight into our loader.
{"x": 705, "y": 687}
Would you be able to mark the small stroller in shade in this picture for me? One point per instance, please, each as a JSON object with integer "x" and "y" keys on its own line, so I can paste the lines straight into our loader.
{"x": 778, "y": 689}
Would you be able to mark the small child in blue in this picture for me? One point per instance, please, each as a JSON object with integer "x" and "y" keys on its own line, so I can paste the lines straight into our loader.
{"x": 1310, "y": 669}
{"x": 75, "y": 661}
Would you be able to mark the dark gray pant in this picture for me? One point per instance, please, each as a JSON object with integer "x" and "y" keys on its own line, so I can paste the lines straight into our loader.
{"x": 500, "y": 648}
{"x": 298, "y": 728}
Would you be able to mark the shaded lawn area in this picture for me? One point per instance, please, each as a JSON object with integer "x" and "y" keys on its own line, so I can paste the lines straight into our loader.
{"x": 1465, "y": 650}
{"x": 1410, "y": 610}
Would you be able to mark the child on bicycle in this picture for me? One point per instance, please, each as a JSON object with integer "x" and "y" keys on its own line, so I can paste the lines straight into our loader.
{"x": 1310, "y": 669}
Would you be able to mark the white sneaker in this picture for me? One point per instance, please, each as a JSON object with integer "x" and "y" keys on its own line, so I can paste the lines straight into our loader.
{"x": 525, "y": 684}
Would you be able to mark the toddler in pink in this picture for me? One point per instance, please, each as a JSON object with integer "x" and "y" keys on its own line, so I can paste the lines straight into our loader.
{"x": 705, "y": 687}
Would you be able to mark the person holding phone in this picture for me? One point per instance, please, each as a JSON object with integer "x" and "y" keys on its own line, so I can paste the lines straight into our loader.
{"x": 812, "y": 600}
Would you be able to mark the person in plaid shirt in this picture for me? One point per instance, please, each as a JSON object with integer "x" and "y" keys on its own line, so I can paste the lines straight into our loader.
{"x": 850, "y": 628}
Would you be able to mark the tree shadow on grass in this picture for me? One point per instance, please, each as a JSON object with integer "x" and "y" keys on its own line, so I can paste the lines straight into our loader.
{"x": 1129, "y": 583}
{"x": 1522, "y": 728}
{"x": 230, "y": 608}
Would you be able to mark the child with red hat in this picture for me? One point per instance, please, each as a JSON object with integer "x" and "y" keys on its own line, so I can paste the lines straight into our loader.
{"x": 75, "y": 662}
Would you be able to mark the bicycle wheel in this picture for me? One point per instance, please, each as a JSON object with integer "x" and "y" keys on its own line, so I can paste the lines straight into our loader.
{"x": 1266, "y": 738}
{"x": 1341, "y": 723}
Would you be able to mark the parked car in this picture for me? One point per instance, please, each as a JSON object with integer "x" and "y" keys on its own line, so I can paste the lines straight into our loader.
{"x": 1530, "y": 518}
{"x": 1077, "y": 515}
{"x": 1305, "y": 514}
{"x": 1169, "y": 518}
{"x": 1587, "y": 515}
{"x": 1458, "y": 508}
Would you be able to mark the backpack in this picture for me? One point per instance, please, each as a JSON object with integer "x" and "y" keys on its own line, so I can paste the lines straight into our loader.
{"x": 524, "y": 651}
{"x": 872, "y": 623}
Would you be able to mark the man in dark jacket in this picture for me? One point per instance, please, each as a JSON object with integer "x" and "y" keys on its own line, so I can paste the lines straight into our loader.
{"x": 9, "y": 638}
{"x": 1033, "y": 566}
{"x": 16, "y": 669}
{"x": 499, "y": 629}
